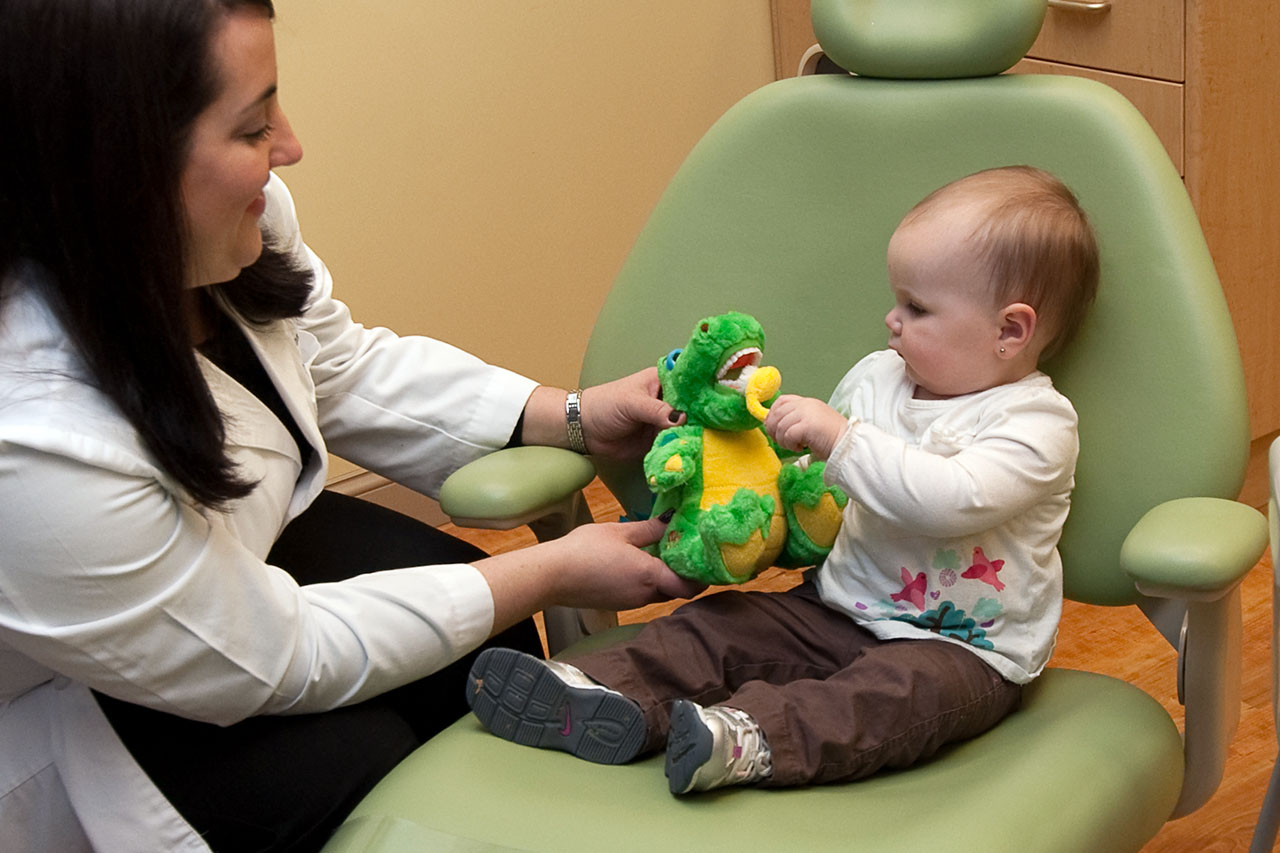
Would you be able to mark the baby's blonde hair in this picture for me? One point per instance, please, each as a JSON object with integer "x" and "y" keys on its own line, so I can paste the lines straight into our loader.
{"x": 1034, "y": 241}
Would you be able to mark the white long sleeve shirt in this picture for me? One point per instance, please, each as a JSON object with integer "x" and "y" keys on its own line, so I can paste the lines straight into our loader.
{"x": 112, "y": 578}
{"x": 955, "y": 514}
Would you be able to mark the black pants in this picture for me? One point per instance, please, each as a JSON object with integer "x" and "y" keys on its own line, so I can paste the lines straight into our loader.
{"x": 287, "y": 782}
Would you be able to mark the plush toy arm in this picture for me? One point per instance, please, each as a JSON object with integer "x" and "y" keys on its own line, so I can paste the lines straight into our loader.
{"x": 673, "y": 460}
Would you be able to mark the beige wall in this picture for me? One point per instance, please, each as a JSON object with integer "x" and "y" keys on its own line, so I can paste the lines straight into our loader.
{"x": 477, "y": 170}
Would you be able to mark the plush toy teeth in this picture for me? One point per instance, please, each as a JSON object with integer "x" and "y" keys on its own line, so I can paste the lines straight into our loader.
{"x": 737, "y": 368}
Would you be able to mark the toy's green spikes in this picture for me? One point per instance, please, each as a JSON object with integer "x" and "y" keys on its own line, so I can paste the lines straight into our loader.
{"x": 711, "y": 374}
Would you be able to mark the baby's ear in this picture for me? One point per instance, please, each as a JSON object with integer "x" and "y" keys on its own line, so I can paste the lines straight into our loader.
{"x": 1017, "y": 326}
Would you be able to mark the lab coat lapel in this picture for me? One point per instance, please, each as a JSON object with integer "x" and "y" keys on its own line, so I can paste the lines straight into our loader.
{"x": 285, "y": 353}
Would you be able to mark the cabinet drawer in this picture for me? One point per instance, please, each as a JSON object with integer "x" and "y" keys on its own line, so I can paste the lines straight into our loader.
{"x": 1142, "y": 37}
{"x": 1159, "y": 102}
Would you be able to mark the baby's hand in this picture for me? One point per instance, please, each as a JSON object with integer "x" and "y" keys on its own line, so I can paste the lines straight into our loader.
{"x": 796, "y": 423}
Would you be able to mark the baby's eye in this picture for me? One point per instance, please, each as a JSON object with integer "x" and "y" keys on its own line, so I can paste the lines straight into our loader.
{"x": 915, "y": 309}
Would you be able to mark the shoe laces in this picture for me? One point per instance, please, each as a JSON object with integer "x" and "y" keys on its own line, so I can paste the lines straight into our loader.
{"x": 749, "y": 758}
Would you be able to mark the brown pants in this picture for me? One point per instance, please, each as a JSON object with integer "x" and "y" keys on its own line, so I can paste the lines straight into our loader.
{"x": 834, "y": 702}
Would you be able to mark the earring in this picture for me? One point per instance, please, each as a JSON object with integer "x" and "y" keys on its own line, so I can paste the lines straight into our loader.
{"x": 1002, "y": 350}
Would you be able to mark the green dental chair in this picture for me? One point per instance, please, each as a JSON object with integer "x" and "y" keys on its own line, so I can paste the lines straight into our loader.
{"x": 1264, "y": 834}
{"x": 784, "y": 210}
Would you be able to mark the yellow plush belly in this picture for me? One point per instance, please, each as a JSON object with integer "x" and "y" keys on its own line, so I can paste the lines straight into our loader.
{"x": 736, "y": 460}
{"x": 733, "y": 460}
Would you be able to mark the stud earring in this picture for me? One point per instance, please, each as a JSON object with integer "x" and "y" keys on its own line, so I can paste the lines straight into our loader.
{"x": 1002, "y": 350}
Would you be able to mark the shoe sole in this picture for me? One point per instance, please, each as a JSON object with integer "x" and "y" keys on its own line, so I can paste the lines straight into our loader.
{"x": 519, "y": 699}
{"x": 689, "y": 744}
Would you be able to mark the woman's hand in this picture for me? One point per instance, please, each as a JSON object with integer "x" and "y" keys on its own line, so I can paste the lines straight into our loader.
{"x": 621, "y": 418}
{"x": 800, "y": 423}
{"x": 597, "y": 566}
{"x": 603, "y": 566}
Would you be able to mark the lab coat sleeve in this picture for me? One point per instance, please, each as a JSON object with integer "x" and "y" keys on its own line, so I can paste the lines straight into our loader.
{"x": 115, "y": 581}
{"x": 1024, "y": 450}
{"x": 411, "y": 408}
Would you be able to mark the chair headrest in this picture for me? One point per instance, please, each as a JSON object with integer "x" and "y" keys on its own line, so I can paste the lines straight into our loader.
{"x": 926, "y": 39}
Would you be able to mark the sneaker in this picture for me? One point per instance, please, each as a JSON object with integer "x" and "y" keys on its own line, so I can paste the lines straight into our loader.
{"x": 713, "y": 747}
{"x": 553, "y": 705}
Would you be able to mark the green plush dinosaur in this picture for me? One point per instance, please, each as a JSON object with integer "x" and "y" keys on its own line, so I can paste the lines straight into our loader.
{"x": 738, "y": 508}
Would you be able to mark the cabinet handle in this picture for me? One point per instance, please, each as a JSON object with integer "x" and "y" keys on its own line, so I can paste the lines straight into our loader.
{"x": 1081, "y": 5}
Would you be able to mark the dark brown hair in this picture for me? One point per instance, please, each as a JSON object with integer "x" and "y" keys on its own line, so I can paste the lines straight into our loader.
{"x": 97, "y": 102}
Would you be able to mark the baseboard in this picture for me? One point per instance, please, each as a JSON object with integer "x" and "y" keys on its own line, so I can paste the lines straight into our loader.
{"x": 379, "y": 490}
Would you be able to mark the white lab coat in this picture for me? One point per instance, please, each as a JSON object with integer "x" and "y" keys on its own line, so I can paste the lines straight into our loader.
{"x": 112, "y": 578}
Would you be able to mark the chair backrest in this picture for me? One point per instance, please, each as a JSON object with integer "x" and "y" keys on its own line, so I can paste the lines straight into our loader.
{"x": 784, "y": 210}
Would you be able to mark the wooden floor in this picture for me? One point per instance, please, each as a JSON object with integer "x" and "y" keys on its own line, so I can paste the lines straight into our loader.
{"x": 1113, "y": 641}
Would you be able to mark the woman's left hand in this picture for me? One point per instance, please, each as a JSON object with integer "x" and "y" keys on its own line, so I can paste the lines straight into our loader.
{"x": 621, "y": 418}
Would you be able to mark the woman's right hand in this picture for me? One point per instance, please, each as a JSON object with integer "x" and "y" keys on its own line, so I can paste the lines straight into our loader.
{"x": 603, "y": 566}
{"x": 596, "y": 566}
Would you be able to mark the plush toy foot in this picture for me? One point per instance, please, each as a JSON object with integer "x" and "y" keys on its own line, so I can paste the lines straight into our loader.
{"x": 726, "y": 543}
{"x": 814, "y": 513}
{"x": 821, "y": 523}
{"x": 552, "y": 705}
{"x": 741, "y": 538}
{"x": 742, "y": 562}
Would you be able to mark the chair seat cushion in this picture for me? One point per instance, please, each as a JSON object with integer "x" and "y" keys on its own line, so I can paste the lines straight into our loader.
{"x": 1014, "y": 788}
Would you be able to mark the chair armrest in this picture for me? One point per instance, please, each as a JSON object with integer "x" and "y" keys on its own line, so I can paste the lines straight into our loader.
{"x": 1190, "y": 555}
{"x": 515, "y": 486}
{"x": 538, "y": 486}
{"x": 1197, "y": 549}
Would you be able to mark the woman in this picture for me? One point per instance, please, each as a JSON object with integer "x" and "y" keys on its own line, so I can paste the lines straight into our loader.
{"x": 199, "y": 649}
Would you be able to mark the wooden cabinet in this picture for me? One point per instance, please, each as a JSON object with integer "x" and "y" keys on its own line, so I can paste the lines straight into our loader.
{"x": 1206, "y": 74}
{"x": 1140, "y": 37}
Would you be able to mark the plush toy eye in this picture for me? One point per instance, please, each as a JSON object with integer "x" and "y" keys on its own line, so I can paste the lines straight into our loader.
{"x": 672, "y": 356}
{"x": 704, "y": 327}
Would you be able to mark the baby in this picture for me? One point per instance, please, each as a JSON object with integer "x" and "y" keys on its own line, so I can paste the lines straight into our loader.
{"x": 941, "y": 596}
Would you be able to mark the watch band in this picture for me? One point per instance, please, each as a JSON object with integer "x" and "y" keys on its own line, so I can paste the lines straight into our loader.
{"x": 573, "y": 421}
